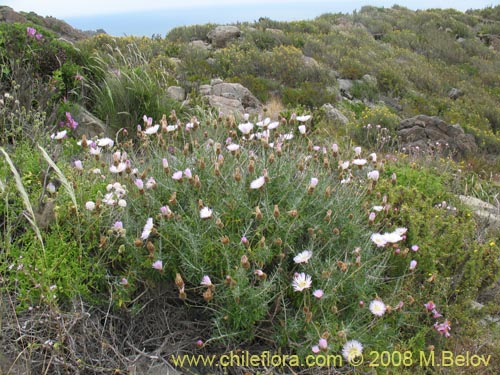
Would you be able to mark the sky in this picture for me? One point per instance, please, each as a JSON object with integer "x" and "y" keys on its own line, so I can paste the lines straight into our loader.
{"x": 148, "y": 17}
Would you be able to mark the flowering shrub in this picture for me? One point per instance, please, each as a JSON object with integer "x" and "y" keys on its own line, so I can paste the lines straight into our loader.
{"x": 275, "y": 235}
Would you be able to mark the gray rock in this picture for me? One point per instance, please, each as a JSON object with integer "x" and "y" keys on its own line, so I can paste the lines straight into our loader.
{"x": 345, "y": 84}
{"x": 455, "y": 93}
{"x": 205, "y": 90}
{"x": 310, "y": 63}
{"x": 370, "y": 79}
{"x": 226, "y": 105}
{"x": 432, "y": 132}
{"x": 222, "y": 35}
{"x": 176, "y": 93}
{"x": 200, "y": 44}
{"x": 275, "y": 31}
{"x": 88, "y": 124}
{"x": 216, "y": 81}
{"x": 486, "y": 212}
{"x": 334, "y": 115}
{"x": 238, "y": 92}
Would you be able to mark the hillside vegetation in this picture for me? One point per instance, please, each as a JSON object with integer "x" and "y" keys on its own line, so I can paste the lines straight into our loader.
{"x": 142, "y": 220}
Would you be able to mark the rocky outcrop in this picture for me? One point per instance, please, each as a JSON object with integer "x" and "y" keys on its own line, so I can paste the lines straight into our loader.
{"x": 332, "y": 114}
{"x": 426, "y": 133}
{"x": 221, "y": 35}
{"x": 200, "y": 44}
{"x": 230, "y": 98}
{"x": 176, "y": 93}
{"x": 484, "y": 211}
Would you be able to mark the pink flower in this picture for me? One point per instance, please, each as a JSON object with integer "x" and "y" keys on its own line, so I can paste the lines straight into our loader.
{"x": 124, "y": 281}
{"x": 430, "y": 306}
{"x": 205, "y": 281}
{"x": 318, "y": 293}
{"x": 413, "y": 265}
{"x": 158, "y": 265}
{"x": 30, "y": 31}
{"x": 323, "y": 344}
{"x": 78, "y": 165}
{"x": 177, "y": 176}
{"x": 436, "y": 314}
{"x": 38, "y": 36}
{"x": 414, "y": 247}
{"x": 443, "y": 328}
{"x": 315, "y": 349}
{"x": 139, "y": 183}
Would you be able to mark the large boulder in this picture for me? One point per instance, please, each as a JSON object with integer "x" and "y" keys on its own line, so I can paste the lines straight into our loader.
{"x": 334, "y": 115}
{"x": 225, "y": 105}
{"x": 221, "y": 35}
{"x": 426, "y": 133}
{"x": 230, "y": 98}
{"x": 238, "y": 92}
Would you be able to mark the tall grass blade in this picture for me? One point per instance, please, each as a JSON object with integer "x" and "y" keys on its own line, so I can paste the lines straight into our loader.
{"x": 67, "y": 185}
{"x": 29, "y": 213}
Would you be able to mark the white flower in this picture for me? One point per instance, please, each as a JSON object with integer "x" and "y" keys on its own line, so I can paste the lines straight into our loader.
{"x": 357, "y": 150}
{"x": 245, "y": 128}
{"x": 233, "y": 147}
{"x": 150, "y": 183}
{"x": 352, "y": 349}
{"x": 152, "y": 129}
{"x": 90, "y": 206}
{"x": 59, "y": 135}
{"x": 258, "y": 183}
{"x": 377, "y": 208}
{"x": 205, "y": 213}
{"x": 301, "y": 282}
{"x": 105, "y": 142}
{"x": 118, "y": 168}
{"x": 344, "y": 165}
{"x": 413, "y": 264}
{"x": 286, "y": 137}
{"x": 264, "y": 123}
{"x": 377, "y": 307}
{"x": 379, "y": 239}
{"x": 359, "y": 162}
{"x": 303, "y": 118}
{"x": 51, "y": 188}
{"x": 171, "y": 128}
{"x": 373, "y": 175}
{"x": 96, "y": 151}
{"x": 273, "y": 125}
{"x": 303, "y": 257}
{"x": 147, "y": 229}
{"x": 302, "y": 129}
{"x": 122, "y": 203}
{"x": 392, "y": 237}
{"x": 314, "y": 182}
{"x": 373, "y": 156}
{"x": 401, "y": 231}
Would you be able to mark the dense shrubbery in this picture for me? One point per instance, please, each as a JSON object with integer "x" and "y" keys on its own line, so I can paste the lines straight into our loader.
{"x": 274, "y": 237}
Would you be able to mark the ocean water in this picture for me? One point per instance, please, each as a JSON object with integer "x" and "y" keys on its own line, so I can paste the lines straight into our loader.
{"x": 160, "y": 22}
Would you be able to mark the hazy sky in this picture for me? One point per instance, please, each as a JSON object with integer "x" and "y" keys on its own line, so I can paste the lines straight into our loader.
{"x": 144, "y": 17}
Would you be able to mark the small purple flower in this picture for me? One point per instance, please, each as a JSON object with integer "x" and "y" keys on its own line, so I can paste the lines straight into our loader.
{"x": 38, "y": 36}
{"x": 414, "y": 247}
{"x": 30, "y": 31}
